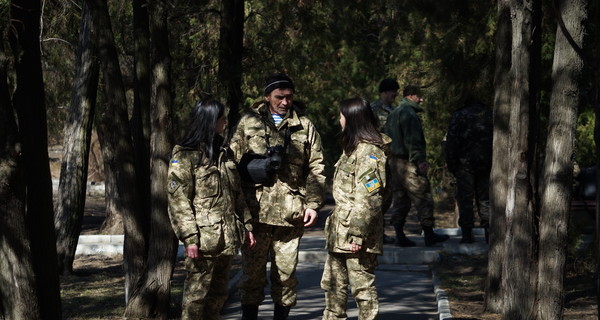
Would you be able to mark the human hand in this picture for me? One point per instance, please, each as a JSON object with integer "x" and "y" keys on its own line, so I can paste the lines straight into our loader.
{"x": 249, "y": 239}
{"x": 353, "y": 247}
{"x": 191, "y": 251}
{"x": 310, "y": 217}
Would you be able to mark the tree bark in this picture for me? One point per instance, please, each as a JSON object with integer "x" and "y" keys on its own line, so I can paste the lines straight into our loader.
{"x": 76, "y": 148}
{"x": 28, "y": 101}
{"x": 118, "y": 148}
{"x": 151, "y": 296}
{"x": 230, "y": 55}
{"x": 18, "y": 289}
{"x": 519, "y": 273}
{"x": 558, "y": 167}
{"x": 136, "y": 234}
{"x": 498, "y": 182}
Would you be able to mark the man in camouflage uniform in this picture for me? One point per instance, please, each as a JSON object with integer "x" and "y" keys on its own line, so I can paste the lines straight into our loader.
{"x": 409, "y": 167}
{"x": 388, "y": 91}
{"x": 284, "y": 204}
{"x": 468, "y": 151}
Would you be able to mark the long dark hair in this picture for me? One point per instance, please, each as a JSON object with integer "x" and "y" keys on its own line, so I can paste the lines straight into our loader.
{"x": 361, "y": 125}
{"x": 200, "y": 133}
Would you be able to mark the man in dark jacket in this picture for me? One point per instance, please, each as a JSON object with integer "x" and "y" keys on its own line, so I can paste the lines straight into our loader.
{"x": 468, "y": 151}
{"x": 409, "y": 169}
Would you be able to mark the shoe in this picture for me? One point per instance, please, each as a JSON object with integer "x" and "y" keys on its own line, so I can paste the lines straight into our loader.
{"x": 249, "y": 312}
{"x": 432, "y": 238}
{"x": 388, "y": 240}
{"x": 467, "y": 235}
{"x": 281, "y": 312}
{"x": 404, "y": 242}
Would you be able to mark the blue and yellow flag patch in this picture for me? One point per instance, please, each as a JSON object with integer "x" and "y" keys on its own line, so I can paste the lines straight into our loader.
{"x": 373, "y": 185}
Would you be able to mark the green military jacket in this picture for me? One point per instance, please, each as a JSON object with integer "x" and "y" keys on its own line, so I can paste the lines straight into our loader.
{"x": 358, "y": 187}
{"x": 299, "y": 183}
{"x": 205, "y": 203}
{"x": 381, "y": 113}
{"x": 404, "y": 127}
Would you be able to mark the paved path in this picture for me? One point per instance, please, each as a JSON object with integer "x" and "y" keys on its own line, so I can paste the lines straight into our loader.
{"x": 404, "y": 293}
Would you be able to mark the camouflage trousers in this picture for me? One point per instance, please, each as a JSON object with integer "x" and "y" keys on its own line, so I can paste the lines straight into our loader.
{"x": 409, "y": 188}
{"x": 206, "y": 287}
{"x": 280, "y": 244}
{"x": 358, "y": 270}
{"x": 472, "y": 185}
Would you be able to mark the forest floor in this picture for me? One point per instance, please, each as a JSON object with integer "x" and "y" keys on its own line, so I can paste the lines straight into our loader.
{"x": 95, "y": 291}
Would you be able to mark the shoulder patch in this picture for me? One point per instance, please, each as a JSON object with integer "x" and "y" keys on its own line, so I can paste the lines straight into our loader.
{"x": 373, "y": 184}
{"x": 371, "y": 157}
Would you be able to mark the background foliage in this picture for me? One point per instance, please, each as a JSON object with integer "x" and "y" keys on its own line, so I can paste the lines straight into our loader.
{"x": 332, "y": 49}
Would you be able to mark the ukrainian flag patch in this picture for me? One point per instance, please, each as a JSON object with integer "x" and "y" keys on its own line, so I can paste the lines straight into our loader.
{"x": 373, "y": 158}
{"x": 373, "y": 185}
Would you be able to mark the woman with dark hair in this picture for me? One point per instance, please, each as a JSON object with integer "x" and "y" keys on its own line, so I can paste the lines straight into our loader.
{"x": 355, "y": 228}
{"x": 207, "y": 210}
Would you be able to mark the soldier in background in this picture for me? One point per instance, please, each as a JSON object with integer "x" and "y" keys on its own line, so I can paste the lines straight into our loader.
{"x": 206, "y": 210}
{"x": 354, "y": 229}
{"x": 410, "y": 168}
{"x": 468, "y": 151}
{"x": 281, "y": 162}
{"x": 388, "y": 91}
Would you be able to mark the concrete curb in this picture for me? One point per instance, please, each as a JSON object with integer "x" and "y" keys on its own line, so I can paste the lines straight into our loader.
{"x": 442, "y": 298}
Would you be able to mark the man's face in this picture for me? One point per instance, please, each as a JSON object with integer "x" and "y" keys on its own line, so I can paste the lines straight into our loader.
{"x": 280, "y": 100}
{"x": 415, "y": 98}
{"x": 388, "y": 97}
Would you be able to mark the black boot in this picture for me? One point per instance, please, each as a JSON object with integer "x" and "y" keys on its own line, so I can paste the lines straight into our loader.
{"x": 401, "y": 239}
{"x": 281, "y": 312}
{"x": 432, "y": 238}
{"x": 467, "y": 235}
{"x": 249, "y": 312}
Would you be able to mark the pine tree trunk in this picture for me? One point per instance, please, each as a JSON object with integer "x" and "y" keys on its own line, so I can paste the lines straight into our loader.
{"x": 118, "y": 150}
{"x": 498, "y": 182}
{"x": 28, "y": 101}
{"x": 136, "y": 234}
{"x": 230, "y": 55}
{"x": 151, "y": 296}
{"x": 519, "y": 273}
{"x": 76, "y": 149}
{"x": 558, "y": 166}
{"x": 19, "y": 296}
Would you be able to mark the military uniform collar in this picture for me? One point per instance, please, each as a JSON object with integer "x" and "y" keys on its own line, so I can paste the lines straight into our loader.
{"x": 412, "y": 104}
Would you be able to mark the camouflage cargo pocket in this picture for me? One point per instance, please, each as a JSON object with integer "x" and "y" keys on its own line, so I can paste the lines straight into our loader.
{"x": 211, "y": 238}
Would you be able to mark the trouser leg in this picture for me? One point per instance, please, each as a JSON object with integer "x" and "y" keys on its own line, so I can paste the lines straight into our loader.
{"x": 361, "y": 272}
{"x": 465, "y": 191}
{"x": 335, "y": 283}
{"x": 254, "y": 267}
{"x": 482, "y": 195}
{"x": 219, "y": 288}
{"x": 196, "y": 287}
{"x": 284, "y": 259}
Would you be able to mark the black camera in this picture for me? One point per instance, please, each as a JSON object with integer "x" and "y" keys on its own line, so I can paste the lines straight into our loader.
{"x": 260, "y": 168}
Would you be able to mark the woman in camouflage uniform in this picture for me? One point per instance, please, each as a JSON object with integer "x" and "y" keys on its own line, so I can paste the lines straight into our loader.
{"x": 355, "y": 228}
{"x": 206, "y": 210}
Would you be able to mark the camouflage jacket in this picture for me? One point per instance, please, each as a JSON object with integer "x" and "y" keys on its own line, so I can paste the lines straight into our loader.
{"x": 299, "y": 183}
{"x": 381, "y": 113}
{"x": 469, "y": 139}
{"x": 358, "y": 185}
{"x": 404, "y": 127}
{"x": 205, "y": 203}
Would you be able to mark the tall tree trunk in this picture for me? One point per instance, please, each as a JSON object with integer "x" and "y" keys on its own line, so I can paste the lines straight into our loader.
{"x": 76, "y": 148}
{"x": 18, "y": 294}
{"x": 230, "y": 55}
{"x": 151, "y": 296}
{"x": 136, "y": 235}
{"x": 118, "y": 146}
{"x": 28, "y": 101}
{"x": 519, "y": 273}
{"x": 498, "y": 181}
{"x": 558, "y": 166}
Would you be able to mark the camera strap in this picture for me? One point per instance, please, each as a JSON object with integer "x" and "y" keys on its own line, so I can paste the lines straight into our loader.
{"x": 286, "y": 139}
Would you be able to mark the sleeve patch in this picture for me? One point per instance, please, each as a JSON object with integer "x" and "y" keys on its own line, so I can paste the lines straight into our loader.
{"x": 374, "y": 158}
{"x": 173, "y": 185}
{"x": 373, "y": 185}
